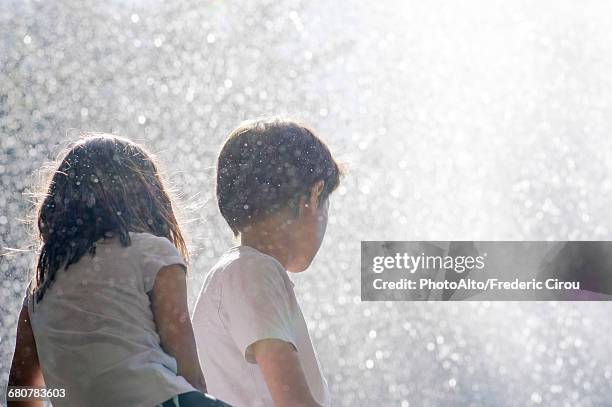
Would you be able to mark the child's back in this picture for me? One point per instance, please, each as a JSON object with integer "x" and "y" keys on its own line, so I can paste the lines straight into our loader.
{"x": 95, "y": 329}
{"x": 248, "y": 296}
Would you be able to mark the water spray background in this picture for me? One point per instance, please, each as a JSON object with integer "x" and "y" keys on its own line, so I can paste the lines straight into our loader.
{"x": 479, "y": 120}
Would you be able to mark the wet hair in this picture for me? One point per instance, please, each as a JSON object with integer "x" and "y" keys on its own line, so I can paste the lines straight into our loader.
{"x": 104, "y": 186}
{"x": 266, "y": 166}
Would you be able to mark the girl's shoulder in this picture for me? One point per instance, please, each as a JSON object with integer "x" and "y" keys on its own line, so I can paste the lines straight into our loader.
{"x": 148, "y": 241}
{"x": 154, "y": 253}
{"x": 148, "y": 246}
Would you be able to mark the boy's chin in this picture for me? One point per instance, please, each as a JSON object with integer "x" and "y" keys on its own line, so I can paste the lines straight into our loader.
{"x": 296, "y": 269}
{"x": 299, "y": 266}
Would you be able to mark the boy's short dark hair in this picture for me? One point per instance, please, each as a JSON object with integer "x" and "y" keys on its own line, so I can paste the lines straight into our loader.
{"x": 267, "y": 165}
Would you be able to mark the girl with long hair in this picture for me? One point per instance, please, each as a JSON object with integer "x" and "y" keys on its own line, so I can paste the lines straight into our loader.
{"x": 105, "y": 320}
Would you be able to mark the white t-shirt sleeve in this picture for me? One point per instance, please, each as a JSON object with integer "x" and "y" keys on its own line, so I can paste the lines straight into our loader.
{"x": 157, "y": 252}
{"x": 255, "y": 305}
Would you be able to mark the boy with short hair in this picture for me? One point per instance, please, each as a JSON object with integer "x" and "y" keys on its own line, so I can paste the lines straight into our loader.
{"x": 274, "y": 178}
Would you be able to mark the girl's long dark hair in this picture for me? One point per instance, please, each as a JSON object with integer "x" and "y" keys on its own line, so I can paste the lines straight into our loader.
{"x": 104, "y": 186}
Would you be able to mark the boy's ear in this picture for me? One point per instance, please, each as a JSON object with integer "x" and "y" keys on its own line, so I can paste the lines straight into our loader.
{"x": 311, "y": 203}
{"x": 315, "y": 193}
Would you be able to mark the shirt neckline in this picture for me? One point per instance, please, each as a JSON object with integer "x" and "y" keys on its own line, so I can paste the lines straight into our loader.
{"x": 274, "y": 259}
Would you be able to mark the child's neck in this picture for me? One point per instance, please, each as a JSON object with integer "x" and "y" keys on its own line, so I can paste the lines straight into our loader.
{"x": 271, "y": 238}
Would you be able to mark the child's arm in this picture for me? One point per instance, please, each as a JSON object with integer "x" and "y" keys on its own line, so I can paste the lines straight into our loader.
{"x": 281, "y": 368}
{"x": 25, "y": 369}
{"x": 169, "y": 304}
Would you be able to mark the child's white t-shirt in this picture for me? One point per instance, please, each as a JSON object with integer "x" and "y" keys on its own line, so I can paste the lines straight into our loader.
{"x": 94, "y": 328}
{"x": 247, "y": 297}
